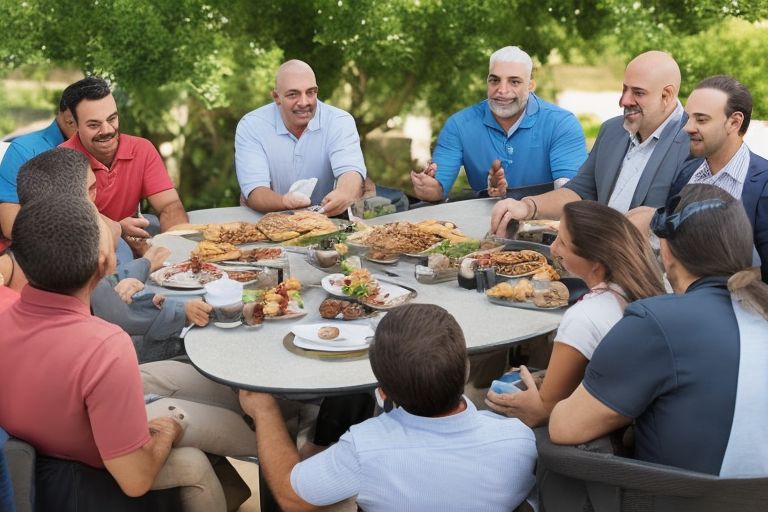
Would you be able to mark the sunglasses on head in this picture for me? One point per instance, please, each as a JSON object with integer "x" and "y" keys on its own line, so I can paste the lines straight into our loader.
{"x": 665, "y": 221}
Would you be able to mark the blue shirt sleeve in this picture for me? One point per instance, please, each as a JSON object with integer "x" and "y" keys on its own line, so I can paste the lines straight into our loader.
{"x": 251, "y": 163}
{"x": 448, "y": 155}
{"x": 14, "y": 158}
{"x": 344, "y": 147}
{"x": 569, "y": 148}
{"x": 632, "y": 366}
{"x": 330, "y": 476}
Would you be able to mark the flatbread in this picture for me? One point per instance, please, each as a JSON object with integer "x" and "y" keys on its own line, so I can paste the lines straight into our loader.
{"x": 280, "y": 227}
{"x": 211, "y": 251}
{"x": 234, "y": 233}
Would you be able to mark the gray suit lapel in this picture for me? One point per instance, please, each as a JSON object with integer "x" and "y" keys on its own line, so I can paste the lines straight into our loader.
{"x": 667, "y": 138}
{"x": 607, "y": 171}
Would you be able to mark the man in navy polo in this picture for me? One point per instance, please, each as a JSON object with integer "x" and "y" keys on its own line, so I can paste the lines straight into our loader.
{"x": 24, "y": 148}
{"x": 513, "y": 139}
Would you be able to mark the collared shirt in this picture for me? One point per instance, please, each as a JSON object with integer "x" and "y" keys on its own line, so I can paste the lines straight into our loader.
{"x": 137, "y": 172}
{"x": 268, "y": 155}
{"x": 656, "y": 366}
{"x": 472, "y": 460}
{"x": 730, "y": 178}
{"x": 22, "y": 149}
{"x": 635, "y": 161}
{"x": 71, "y": 385}
{"x": 548, "y": 144}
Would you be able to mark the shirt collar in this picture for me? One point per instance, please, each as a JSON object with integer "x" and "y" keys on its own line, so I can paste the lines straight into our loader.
{"x": 314, "y": 124}
{"x": 737, "y": 167}
{"x": 676, "y": 115}
{"x": 708, "y": 282}
{"x": 450, "y": 423}
{"x": 125, "y": 151}
{"x": 53, "y": 134}
{"x": 50, "y": 300}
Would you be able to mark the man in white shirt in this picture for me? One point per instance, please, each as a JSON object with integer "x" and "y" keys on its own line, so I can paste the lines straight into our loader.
{"x": 635, "y": 157}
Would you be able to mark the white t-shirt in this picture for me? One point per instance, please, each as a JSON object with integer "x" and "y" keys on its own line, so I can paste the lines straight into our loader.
{"x": 586, "y": 323}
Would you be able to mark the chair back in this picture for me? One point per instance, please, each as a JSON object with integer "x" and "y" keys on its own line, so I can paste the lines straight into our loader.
{"x": 20, "y": 461}
{"x": 590, "y": 478}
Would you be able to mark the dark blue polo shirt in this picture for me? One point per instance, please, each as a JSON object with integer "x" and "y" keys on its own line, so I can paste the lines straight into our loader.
{"x": 672, "y": 364}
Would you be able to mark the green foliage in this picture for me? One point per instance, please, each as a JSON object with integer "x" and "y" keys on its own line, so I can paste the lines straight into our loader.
{"x": 187, "y": 70}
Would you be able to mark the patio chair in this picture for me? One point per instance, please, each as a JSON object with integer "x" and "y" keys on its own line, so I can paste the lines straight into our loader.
{"x": 590, "y": 478}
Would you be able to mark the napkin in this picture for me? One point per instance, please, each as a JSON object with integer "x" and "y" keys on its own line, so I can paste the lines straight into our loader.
{"x": 223, "y": 292}
{"x": 303, "y": 187}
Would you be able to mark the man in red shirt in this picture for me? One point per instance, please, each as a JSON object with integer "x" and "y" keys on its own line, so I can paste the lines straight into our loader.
{"x": 70, "y": 382}
{"x": 128, "y": 169}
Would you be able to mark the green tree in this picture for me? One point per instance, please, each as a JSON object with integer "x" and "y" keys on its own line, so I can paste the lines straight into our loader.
{"x": 187, "y": 70}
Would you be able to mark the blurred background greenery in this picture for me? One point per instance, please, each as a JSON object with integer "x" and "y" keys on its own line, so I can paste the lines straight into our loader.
{"x": 186, "y": 71}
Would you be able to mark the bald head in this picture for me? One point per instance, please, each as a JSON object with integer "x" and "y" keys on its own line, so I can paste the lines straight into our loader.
{"x": 649, "y": 96}
{"x": 660, "y": 68}
{"x": 291, "y": 70}
{"x": 295, "y": 95}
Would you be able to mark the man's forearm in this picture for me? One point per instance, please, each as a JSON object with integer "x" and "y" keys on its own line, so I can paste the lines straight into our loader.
{"x": 172, "y": 215}
{"x": 351, "y": 184}
{"x": 277, "y": 455}
{"x": 550, "y": 205}
{"x": 264, "y": 200}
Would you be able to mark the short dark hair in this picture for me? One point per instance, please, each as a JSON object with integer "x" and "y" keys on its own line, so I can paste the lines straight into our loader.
{"x": 59, "y": 171}
{"x": 56, "y": 242}
{"x": 739, "y": 98}
{"x": 420, "y": 359}
{"x": 89, "y": 88}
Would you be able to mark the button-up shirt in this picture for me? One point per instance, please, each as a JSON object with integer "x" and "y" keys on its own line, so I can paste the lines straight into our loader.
{"x": 730, "y": 178}
{"x": 268, "y": 155}
{"x": 635, "y": 161}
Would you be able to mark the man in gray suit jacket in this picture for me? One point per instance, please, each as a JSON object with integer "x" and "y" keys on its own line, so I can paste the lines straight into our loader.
{"x": 636, "y": 156}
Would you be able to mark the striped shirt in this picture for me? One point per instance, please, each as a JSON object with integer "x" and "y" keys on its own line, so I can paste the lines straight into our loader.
{"x": 635, "y": 161}
{"x": 730, "y": 178}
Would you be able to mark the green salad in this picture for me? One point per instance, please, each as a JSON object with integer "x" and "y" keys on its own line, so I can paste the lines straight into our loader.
{"x": 456, "y": 250}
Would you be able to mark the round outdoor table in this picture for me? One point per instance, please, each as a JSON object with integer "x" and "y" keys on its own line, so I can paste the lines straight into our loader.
{"x": 256, "y": 359}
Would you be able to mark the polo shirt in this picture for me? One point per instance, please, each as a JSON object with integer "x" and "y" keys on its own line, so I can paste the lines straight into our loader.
{"x": 268, "y": 155}
{"x": 7, "y": 297}
{"x": 547, "y": 145}
{"x": 672, "y": 364}
{"x": 137, "y": 172}
{"x": 69, "y": 382}
{"x": 398, "y": 461}
{"x": 22, "y": 149}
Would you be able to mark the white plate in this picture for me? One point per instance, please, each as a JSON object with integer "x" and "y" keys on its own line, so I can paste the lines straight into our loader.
{"x": 327, "y": 346}
{"x": 170, "y": 277}
{"x": 393, "y": 295}
{"x": 349, "y": 334}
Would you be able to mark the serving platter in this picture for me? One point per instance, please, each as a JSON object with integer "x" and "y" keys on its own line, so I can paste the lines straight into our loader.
{"x": 182, "y": 277}
{"x": 576, "y": 287}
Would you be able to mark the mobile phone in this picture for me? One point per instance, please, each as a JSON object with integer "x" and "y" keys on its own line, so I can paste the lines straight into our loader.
{"x": 501, "y": 387}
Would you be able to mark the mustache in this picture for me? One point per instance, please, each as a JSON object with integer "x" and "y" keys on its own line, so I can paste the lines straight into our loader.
{"x": 105, "y": 138}
{"x": 632, "y": 110}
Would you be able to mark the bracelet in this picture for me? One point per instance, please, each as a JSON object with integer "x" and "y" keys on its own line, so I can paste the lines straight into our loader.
{"x": 535, "y": 207}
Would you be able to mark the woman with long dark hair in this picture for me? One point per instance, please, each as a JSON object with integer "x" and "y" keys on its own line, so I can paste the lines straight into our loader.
{"x": 599, "y": 245}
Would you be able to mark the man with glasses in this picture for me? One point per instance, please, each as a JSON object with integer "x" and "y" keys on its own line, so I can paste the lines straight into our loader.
{"x": 687, "y": 369}
{"x": 513, "y": 139}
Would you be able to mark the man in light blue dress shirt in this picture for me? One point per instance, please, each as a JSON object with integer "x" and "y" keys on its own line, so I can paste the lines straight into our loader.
{"x": 295, "y": 138}
{"x": 432, "y": 451}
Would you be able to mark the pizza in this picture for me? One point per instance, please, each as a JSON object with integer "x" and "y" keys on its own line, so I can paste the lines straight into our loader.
{"x": 211, "y": 251}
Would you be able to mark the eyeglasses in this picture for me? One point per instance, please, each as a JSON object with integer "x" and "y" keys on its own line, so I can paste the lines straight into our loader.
{"x": 665, "y": 222}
